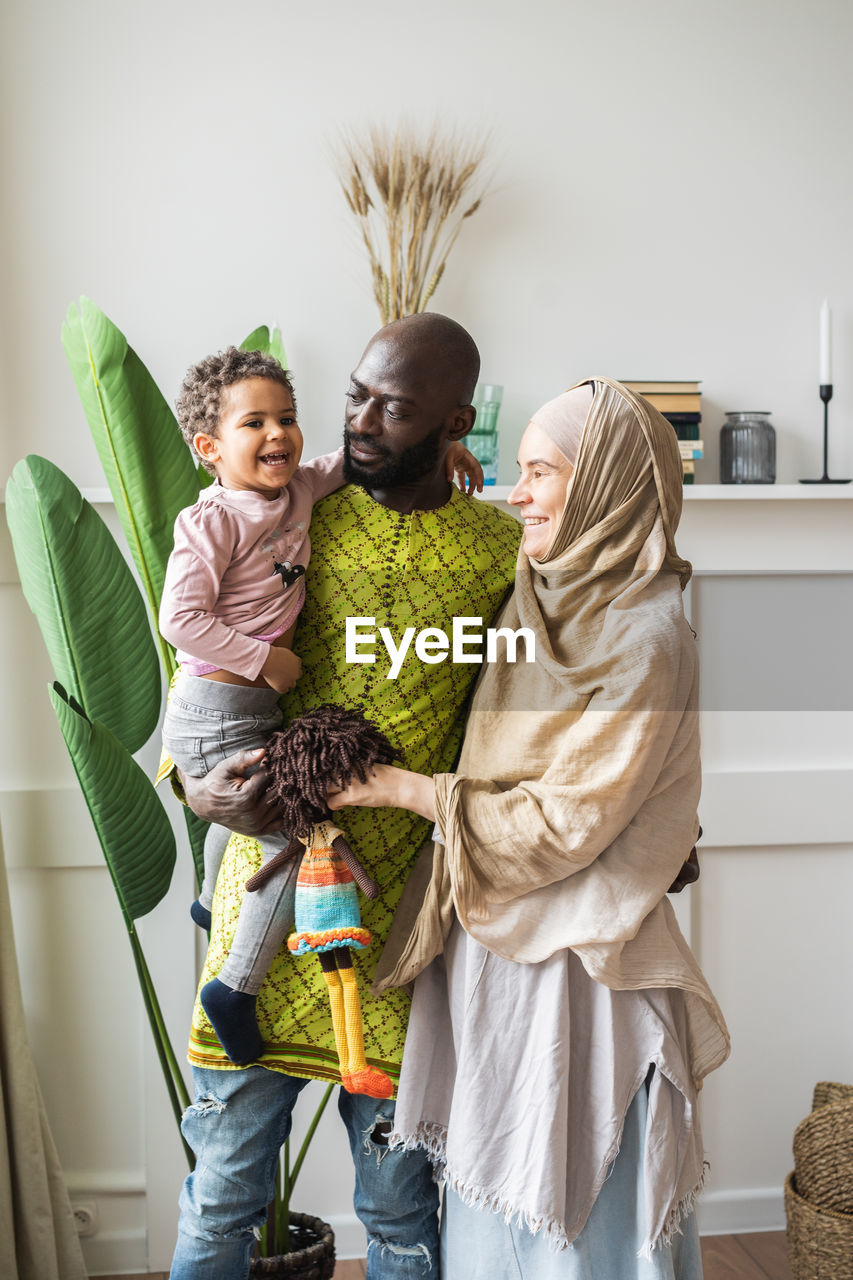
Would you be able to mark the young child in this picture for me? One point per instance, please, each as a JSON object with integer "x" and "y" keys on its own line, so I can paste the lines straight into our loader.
{"x": 234, "y": 588}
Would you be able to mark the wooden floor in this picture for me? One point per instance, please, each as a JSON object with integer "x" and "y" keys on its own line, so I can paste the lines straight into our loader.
{"x": 760, "y": 1256}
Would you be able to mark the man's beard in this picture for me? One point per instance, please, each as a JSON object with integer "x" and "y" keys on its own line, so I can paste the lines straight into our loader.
{"x": 415, "y": 463}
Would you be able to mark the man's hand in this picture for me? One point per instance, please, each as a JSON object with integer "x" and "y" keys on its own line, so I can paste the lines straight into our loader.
{"x": 232, "y": 797}
{"x": 689, "y": 872}
{"x": 282, "y": 669}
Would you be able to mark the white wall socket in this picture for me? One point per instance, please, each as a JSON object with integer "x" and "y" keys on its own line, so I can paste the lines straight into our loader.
{"x": 86, "y": 1217}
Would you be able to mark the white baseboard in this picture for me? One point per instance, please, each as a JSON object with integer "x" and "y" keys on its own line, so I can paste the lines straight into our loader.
{"x": 723, "y": 1213}
{"x": 111, "y": 1252}
{"x": 350, "y": 1238}
{"x": 720, "y": 1213}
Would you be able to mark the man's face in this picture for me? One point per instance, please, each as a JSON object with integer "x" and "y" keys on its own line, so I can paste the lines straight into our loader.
{"x": 396, "y": 417}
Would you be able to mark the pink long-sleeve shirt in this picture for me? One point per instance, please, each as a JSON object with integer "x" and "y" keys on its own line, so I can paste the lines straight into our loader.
{"x": 224, "y": 598}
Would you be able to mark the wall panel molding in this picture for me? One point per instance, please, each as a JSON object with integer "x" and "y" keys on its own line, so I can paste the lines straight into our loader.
{"x": 740, "y": 1210}
{"x": 758, "y": 808}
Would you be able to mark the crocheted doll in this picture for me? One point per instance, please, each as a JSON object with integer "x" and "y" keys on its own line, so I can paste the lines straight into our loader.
{"x": 323, "y": 748}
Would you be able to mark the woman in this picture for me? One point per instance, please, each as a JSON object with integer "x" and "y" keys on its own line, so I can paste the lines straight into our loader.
{"x": 560, "y": 1026}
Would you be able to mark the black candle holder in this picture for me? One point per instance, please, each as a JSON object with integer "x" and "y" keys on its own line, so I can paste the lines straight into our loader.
{"x": 826, "y": 396}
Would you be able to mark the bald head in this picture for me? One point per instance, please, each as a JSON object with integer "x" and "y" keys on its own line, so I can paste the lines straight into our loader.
{"x": 431, "y": 346}
{"x": 409, "y": 398}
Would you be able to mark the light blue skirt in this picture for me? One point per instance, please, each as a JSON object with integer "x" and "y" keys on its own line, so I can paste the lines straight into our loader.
{"x": 476, "y": 1244}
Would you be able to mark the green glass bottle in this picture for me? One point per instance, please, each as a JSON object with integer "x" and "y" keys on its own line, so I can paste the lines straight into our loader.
{"x": 483, "y": 440}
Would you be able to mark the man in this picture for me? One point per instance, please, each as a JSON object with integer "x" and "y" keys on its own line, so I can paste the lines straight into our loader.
{"x": 396, "y": 549}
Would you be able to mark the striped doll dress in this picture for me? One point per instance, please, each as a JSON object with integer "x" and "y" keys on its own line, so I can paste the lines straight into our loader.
{"x": 326, "y": 910}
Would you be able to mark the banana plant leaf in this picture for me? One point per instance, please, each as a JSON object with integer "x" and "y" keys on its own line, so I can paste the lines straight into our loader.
{"x": 138, "y": 847}
{"x": 267, "y": 340}
{"x": 149, "y": 469}
{"x": 88, "y": 606}
{"x": 131, "y": 823}
{"x": 196, "y": 831}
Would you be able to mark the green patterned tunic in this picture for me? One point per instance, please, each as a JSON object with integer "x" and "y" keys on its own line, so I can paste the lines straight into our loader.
{"x": 418, "y": 570}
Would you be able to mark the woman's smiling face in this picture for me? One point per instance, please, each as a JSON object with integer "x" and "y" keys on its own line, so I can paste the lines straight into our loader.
{"x": 541, "y": 490}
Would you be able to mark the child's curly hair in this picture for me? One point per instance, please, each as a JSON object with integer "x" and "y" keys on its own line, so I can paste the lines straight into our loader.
{"x": 202, "y": 387}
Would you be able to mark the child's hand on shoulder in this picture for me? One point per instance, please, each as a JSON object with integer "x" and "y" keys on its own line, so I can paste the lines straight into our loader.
{"x": 460, "y": 462}
{"x": 282, "y": 669}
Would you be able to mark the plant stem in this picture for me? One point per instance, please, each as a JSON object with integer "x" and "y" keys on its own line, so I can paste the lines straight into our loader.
{"x": 293, "y": 1173}
{"x": 167, "y": 1044}
{"x": 286, "y": 1188}
{"x": 178, "y": 1095}
{"x": 277, "y": 1231}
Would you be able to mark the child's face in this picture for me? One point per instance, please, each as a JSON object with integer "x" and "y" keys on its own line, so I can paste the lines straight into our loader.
{"x": 258, "y": 444}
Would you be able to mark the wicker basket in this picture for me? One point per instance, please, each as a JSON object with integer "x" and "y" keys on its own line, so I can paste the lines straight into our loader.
{"x": 823, "y": 1156}
{"x": 820, "y": 1242}
{"x": 829, "y": 1091}
{"x": 312, "y": 1255}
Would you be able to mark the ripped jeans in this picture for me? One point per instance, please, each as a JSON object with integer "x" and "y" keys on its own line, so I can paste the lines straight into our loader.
{"x": 236, "y": 1126}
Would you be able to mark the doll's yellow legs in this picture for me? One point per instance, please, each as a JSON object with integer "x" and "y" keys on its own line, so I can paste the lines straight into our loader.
{"x": 356, "y": 1075}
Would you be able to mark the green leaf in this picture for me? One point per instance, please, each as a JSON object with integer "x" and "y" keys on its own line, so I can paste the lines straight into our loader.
{"x": 131, "y": 823}
{"x": 150, "y": 471}
{"x": 268, "y": 341}
{"x": 86, "y": 601}
{"x": 196, "y": 831}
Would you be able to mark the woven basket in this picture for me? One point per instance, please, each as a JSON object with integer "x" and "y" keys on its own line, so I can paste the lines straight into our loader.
{"x": 820, "y": 1242}
{"x": 823, "y": 1156}
{"x": 312, "y": 1254}
{"x": 829, "y": 1091}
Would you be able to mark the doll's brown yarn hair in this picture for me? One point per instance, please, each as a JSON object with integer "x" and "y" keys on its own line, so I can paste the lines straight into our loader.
{"x": 323, "y": 748}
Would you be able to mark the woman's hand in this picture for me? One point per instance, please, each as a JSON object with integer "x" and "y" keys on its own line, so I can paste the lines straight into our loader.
{"x": 234, "y": 794}
{"x": 388, "y": 787}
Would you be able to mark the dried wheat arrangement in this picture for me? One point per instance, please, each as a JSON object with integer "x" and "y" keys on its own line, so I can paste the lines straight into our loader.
{"x": 411, "y": 197}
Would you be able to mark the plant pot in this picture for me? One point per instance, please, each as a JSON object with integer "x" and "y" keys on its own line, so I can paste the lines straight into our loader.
{"x": 312, "y": 1252}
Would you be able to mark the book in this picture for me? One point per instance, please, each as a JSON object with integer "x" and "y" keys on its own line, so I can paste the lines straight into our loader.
{"x": 668, "y": 388}
{"x": 674, "y": 403}
{"x": 681, "y": 404}
{"x": 683, "y": 419}
{"x": 686, "y": 430}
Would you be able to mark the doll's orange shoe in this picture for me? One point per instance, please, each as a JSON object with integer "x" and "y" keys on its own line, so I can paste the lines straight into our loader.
{"x": 370, "y": 1081}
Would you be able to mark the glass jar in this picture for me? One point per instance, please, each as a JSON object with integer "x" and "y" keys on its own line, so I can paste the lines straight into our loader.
{"x": 483, "y": 440}
{"x": 748, "y": 449}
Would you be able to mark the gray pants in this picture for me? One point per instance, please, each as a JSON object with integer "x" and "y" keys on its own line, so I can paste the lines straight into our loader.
{"x": 206, "y": 721}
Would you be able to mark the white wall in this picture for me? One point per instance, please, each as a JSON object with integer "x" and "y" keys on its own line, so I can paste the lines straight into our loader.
{"x": 672, "y": 185}
{"x": 671, "y": 199}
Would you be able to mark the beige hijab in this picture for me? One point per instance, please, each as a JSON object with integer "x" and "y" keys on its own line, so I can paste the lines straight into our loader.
{"x": 575, "y": 799}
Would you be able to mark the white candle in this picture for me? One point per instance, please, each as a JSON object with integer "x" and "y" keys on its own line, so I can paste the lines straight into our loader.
{"x": 825, "y": 344}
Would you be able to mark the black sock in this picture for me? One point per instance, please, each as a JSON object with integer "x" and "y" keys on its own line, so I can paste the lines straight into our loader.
{"x": 201, "y": 915}
{"x": 232, "y": 1016}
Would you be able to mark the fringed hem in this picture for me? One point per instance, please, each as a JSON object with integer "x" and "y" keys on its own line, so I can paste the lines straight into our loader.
{"x": 673, "y": 1220}
{"x": 432, "y": 1138}
{"x": 553, "y": 1230}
